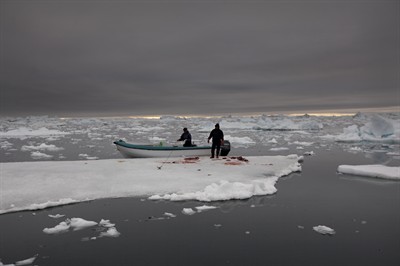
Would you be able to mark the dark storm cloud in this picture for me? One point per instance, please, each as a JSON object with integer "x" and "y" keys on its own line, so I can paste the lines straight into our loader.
{"x": 188, "y": 57}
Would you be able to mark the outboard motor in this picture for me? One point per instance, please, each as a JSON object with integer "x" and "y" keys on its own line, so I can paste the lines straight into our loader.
{"x": 226, "y": 148}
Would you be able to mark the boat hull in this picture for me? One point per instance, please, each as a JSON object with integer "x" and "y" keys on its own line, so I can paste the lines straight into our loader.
{"x": 149, "y": 151}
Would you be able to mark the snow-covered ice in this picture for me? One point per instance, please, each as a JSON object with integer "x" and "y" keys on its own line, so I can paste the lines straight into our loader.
{"x": 37, "y": 185}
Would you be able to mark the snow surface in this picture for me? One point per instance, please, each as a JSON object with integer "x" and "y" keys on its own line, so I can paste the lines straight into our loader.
{"x": 379, "y": 171}
{"x": 37, "y": 185}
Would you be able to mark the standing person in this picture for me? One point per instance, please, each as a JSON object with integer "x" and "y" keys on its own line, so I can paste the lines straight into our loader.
{"x": 217, "y": 140}
{"x": 187, "y": 137}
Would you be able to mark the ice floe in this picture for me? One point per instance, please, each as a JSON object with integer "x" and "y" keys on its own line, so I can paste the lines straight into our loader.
{"x": 107, "y": 229}
{"x": 379, "y": 171}
{"x": 37, "y": 185}
{"x": 324, "y": 230}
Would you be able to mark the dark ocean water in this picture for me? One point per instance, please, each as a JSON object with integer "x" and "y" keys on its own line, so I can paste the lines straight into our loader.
{"x": 269, "y": 230}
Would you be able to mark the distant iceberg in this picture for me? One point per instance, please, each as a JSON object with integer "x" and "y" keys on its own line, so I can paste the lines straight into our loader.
{"x": 377, "y": 129}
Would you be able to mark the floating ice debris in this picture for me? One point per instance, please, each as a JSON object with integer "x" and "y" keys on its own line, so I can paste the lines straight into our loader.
{"x": 41, "y": 147}
{"x": 40, "y": 155}
{"x": 86, "y": 156}
{"x": 5, "y": 145}
{"x": 27, "y": 261}
{"x": 171, "y": 215}
{"x": 58, "y": 229}
{"x": 56, "y": 216}
{"x": 273, "y": 141}
{"x": 188, "y": 211}
{"x": 24, "y": 132}
{"x": 111, "y": 232}
{"x": 74, "y": 224}
{"x": 205, "y": 208}
{"x": 308, "y": 153}
{"x": 325, "y": 230}
{"x": 375, "y": 170}
{"x": 279, "y": 149}
{"x": 79, "y": 224}
{"x": 302, "y": 143}
{"x": 106, "y": 223}
{"x": 240, "y": 141}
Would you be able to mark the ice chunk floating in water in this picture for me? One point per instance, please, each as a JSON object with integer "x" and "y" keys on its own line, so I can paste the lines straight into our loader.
{"x": 37, "y": 185}
{"x": 376, "y": 170}
{"x": 325, "y": 230}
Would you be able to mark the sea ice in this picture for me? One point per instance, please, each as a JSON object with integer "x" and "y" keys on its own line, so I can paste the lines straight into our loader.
{"x": 41, "y": 147}
{"x": 111, "y": 232}
{"x": 376, "y": 129}
{"x": 106, "y": 223}
{"x": 79, "y": 224}
{"x": 205, "y": 208}
{"x": 37, "y": 185}
{"x": 325, "y": 230}
{"x": 379, "y": 171}
{"x": 26, "y": 261}
{"x": 56, "y": 216}
{"x": 58, "y": 229}
{"x": 40, "y": 155}
{"x": 73, "y": 223}
{"x": 168, "y": 214}
{"x": 240, "y": 141}
{"x": 188, "y": 211}
{"x": 279, "y": 149}
{"x": 24, "y": 132}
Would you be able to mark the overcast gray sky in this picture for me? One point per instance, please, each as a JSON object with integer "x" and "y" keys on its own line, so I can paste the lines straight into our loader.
{"x": 197, "y": 57}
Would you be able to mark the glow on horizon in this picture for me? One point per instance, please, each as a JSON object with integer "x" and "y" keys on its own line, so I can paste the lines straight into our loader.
{"x": 321, "y": 113}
